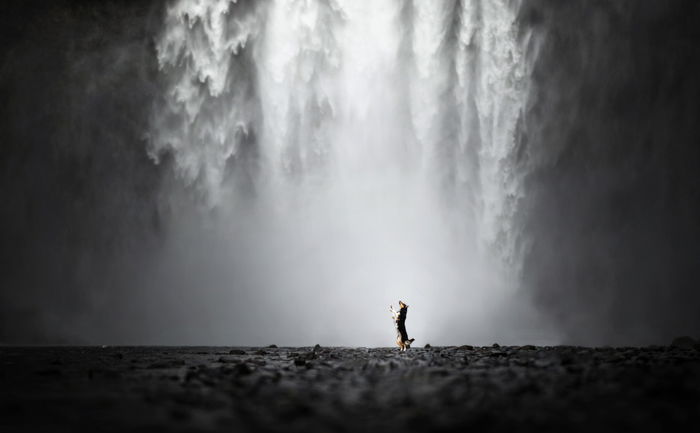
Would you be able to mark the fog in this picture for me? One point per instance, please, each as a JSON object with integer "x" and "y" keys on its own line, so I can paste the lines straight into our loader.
{"x": 253, "y": 173}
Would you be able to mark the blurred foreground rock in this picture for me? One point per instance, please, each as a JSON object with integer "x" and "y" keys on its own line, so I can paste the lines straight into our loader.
{"x": 321, "y": 389}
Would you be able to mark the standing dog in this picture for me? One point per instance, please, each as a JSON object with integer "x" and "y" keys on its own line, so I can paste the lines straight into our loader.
{"x": 399, "y": 317}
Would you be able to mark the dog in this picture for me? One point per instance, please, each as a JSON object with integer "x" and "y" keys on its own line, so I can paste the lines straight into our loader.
{"x": 399, "y": 317}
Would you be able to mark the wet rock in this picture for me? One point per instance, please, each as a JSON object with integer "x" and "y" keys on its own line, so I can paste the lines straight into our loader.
{"x": 260, "y": 352}
{"x": 49, "y": 372}
{"x": 496, "y": 345}
{"x": 236, "y": 352}
{"x": 427, "y": 346}
{"x": 272, "y": 346}
{"x": 542, "y": 363}
{"x": 466, "y": 347}
{"x": 172, "y": 363}
{"x": 317, "y": 348}
{"x": 179, "y": 414}
{"x": 303, "y": 358}
{"x": 191, "y": 375}
{"x": 344, "y": 389}
{"x": 107, "y": 374}
{"x": 242, "y": 369}
{"x": 684, "y": 342}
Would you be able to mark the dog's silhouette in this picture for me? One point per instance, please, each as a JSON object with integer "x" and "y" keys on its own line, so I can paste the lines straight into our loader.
{"x": 399, "y": 317}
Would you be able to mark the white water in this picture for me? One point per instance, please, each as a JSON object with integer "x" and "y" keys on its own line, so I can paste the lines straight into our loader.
{"x": 354, "y": 152}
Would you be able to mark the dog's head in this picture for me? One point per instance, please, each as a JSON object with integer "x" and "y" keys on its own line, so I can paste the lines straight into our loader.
{"x": 402, "y": 305}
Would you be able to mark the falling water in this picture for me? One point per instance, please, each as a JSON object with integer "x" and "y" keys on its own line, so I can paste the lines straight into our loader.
{"x": 354, "y": 152}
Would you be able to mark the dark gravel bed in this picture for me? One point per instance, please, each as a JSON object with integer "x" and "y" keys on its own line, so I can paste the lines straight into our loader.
{"x": 322, "y": 389}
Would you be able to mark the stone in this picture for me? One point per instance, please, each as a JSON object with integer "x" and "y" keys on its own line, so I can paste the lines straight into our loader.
{"x": 172, "y": 363}
{"x": 49, "y": 372}
{"x": 236, "y": 352}
{"x": 242, "y": 369}
{"x": 684, "y": 342}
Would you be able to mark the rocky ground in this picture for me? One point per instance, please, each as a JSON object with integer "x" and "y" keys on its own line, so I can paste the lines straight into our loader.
{"x": 320, "y": 389}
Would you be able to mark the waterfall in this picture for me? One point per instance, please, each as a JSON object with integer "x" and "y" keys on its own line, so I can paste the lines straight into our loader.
{"x": 492, "y": 75}
{"x": 378, "y": 142}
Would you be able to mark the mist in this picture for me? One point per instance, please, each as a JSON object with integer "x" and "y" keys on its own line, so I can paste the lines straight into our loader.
{"x": 612, "y": 186}
{"x": 253, "y": 173}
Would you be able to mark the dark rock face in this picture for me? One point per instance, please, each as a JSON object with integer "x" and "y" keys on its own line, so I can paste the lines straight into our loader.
{"x": 686, "y": 342}
{"x": 612, "y": 212}
{"x": 528, "y": 388}
{"x": 76, "y": 83}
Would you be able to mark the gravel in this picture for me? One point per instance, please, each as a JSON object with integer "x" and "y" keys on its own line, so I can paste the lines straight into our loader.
{"x": 330, "y": 389}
